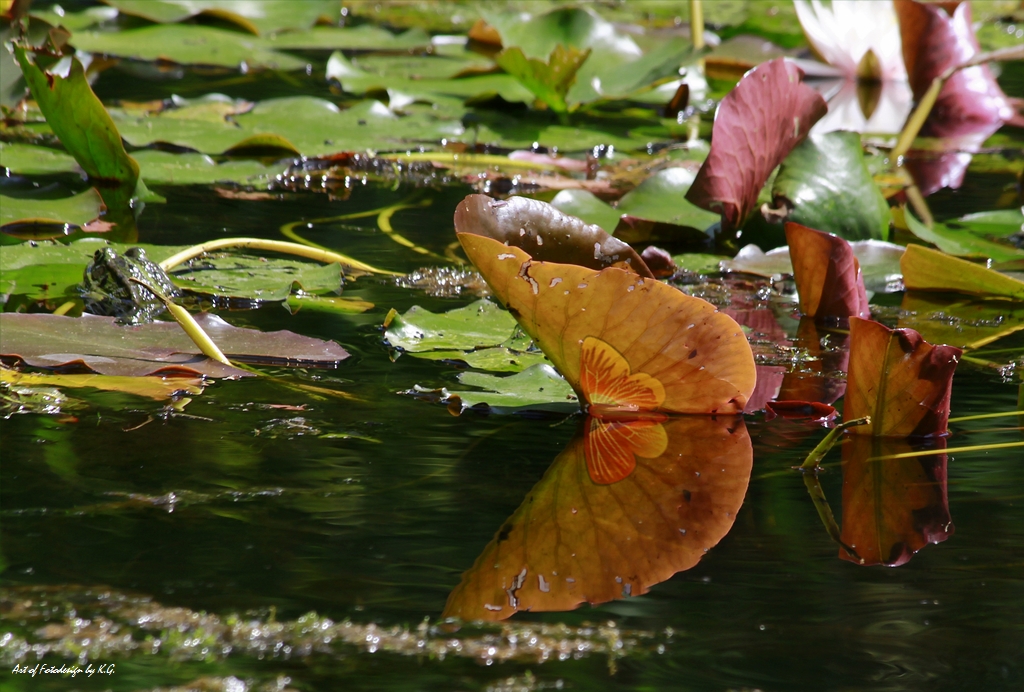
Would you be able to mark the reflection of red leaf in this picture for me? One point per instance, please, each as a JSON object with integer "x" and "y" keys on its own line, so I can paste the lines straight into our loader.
{"x": 769, "y": 382}
{"x": 574, "y": 541}
{"x": 800, "y": 410}
{"x": 827, "y": 274}
{"x": 892, "y": 507}
{"x": 768, "y": 113}
{"x": 612, "y": 446}
{"x": 898, "y": 379}
{"x": 819, "y": 377}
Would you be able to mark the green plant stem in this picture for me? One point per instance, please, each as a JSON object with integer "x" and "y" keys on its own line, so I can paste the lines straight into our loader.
{"x": 320, "y": 255}
{"x": 982, "y": 416}
{"x": 697, "y": 24}
{"x": 819, "y": 452}
{"x": 951, "y": 450}
{"x": 817, "y": 494}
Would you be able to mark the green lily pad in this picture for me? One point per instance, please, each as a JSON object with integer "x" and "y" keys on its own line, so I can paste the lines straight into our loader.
{"x": 77, "y": 211}
{"x": 256, "y": 278}
{"x": 165, "y": 168}
{"x": 260, "y": 17}
{"x": 497, "y": 359}
{"x": 75, "y": 21}
{"x": 365, "y": 37}
{"x": 538, "y": 388}
{"x": 925, "y": 269}
{"x": 355, "y": 80}
{"x": 699, "y": 262}
{"x": 659, "y": 198}
{"x": 30, "y": 159}
{"x": 310, "y": 125}
{"x": 478, "y": 325}
{"x": 999, "y": 224}
{"x": 587, "y": 206}
{"x": 187, "y": 45}
{"x": 964, "y": 323}
{"x": 826, "y": 183}
{"x": 965, "y": 240}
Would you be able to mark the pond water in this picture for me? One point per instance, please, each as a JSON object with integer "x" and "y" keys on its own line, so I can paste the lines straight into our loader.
{"x": 190, "y": 546}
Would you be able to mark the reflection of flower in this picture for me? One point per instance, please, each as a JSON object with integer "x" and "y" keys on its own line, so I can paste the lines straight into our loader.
{"x": 860, "y": 39}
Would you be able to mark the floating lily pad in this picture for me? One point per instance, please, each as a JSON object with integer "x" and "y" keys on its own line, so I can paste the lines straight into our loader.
{"x": 587, "y": 206}
{"x": 29, "y": 159}
{"x": 103, "y": 346}
{"x": 967, "y": 236}
{"x": 257, "y": 17}
{"x": 256, "y": 278}
{"x": 827, "y": 186}
{"x": 77, "y": 210}
{"x": 966, "y": 323}
{"x": 479, "y": 325}
{"x": 187, "y": 45}
{"x": 165, "y": 168}
{"x": 364, "y": 37}
{"x": 539, "y": 387}
{"x": 662, "y": 197}
{"x": 930, "y": 270}
{"x": 150, "y": 387}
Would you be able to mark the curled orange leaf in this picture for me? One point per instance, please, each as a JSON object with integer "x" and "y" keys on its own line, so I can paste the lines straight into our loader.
{"x": 828, "y": 276}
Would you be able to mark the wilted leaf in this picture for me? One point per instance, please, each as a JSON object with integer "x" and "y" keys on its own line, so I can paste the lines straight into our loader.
{"x": 575, "y": 540}
{"x": 84, "y": 127}
{"x": 621, "y": 340}
{"x": 258, "y": 17}
{"x": 962, "y": 241}
{"x": 826, "y": 185}
{"x": 77, "y": 211}
{"x": 151, "y": 387}
{"x": 537, "y": 388}
{"x": 768, "y": 113}
{"x": 548, "y": 81}
{"x": 101, "y": 345}
{"x": 545, "y": 233}
{"x": 925, "y": 269}
{"x": 827, "y": 274}
{"x": 898, "y": 379}
{"x": 892, "y": 507}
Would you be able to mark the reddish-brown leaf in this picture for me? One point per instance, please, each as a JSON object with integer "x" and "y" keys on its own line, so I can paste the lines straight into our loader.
{"x": 545, "y": 233}
{"x": 820, "y": 376}
{"x": 768, "y": 113}
{"x": 898, "y": 379}
{"x": 576, "y": 539}
{"x": 892, "y": 507}
{"x": 827, "y": 274}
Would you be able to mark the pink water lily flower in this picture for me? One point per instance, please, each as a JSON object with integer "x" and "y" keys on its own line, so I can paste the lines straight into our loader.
{"x": 865, "y": 81}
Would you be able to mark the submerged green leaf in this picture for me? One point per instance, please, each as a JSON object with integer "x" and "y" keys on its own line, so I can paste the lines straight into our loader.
{"x": 256, "y": 278}
{"x": 827, "y": 186}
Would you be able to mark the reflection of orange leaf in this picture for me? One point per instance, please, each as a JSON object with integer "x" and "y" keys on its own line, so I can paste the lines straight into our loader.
{"x": 612, "y": 446}
{"x": 606, "y": 380}
{"x": 898, "y": 379}
{"x": 892, "y": 507}
{"x": 574, "y": 541}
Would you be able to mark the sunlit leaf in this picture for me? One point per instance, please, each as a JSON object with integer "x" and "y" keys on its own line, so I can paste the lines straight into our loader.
{"x": 477, "y": 325}
{"x": 29, "y": 159}
{"x": 586, "y": 206}
{"x": 77, "y": 211}
{"x": 165, "y": 168}
{"x": 151, "y": 387}
{"x": 827, "y": 274}
{"x": 548, "y": 81}
{"x": 545, "y": 233}
{"x": 537, "y": 388}
{"x": 957, "y": 241}
{"x": 363, "y": 37}
{"x": 85, "y": 129}
{"x": 960, "y": 321}
{"x": 256, "y": 278}
{"x": 892, "y": 507}
{"x": 768, "y": 113}
{"x": 925, "y": 269}
{"x": 826, "y": 185}
{"x": 258, "y": 17}
{"x": 621, "y": 326}
{"x": 898, "y": 379}
{"x": 101, "y": 345}
{"x": 578, "y": 540}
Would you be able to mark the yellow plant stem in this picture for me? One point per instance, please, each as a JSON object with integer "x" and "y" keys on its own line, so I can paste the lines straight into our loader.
{"x": 64, "y": 308}
{"x": 982, "y": 416}
{"x": 320, "y": 255}
{"x": 384, "y": 223}
{"x": 951, "y": 450}
{"x": 924, "y": 107}
{"x": 697, "y": 24}
{"x": 288, "y": 230}
{"x": 182, "y": 316}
